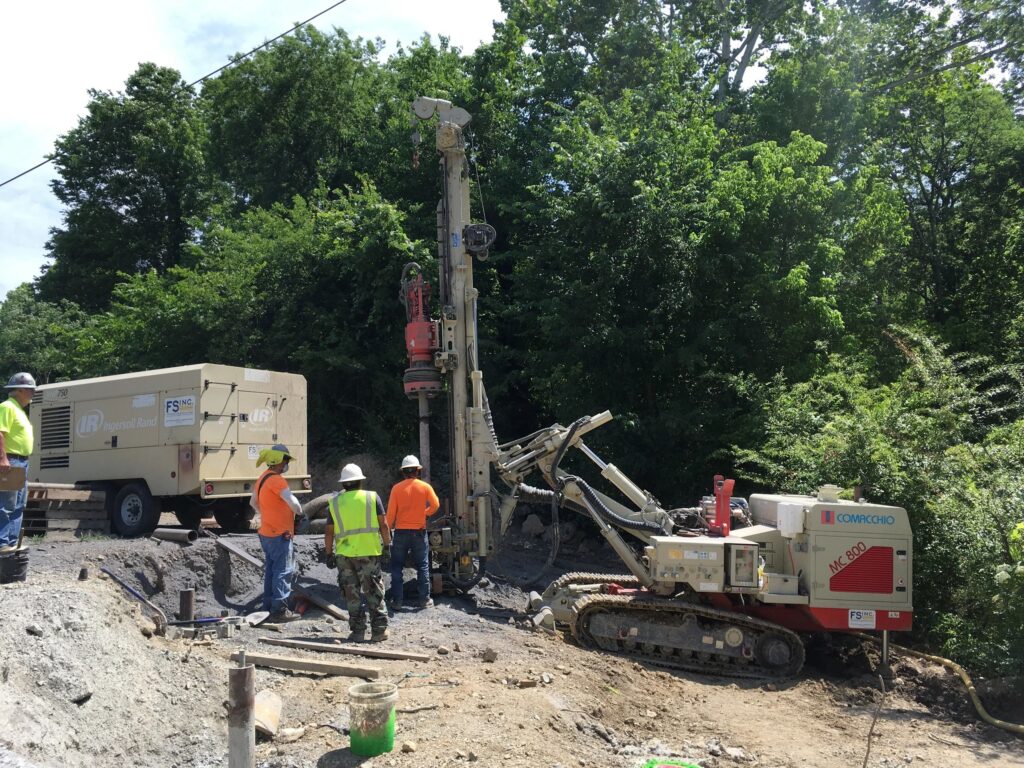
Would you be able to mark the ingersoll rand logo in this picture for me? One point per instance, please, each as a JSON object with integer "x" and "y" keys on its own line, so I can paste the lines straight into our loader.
{"x": 89, "y": 423}
{"x": 261, "y": 415}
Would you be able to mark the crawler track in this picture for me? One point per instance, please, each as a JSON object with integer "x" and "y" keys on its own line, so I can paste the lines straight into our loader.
{"x": 679, "y": 634}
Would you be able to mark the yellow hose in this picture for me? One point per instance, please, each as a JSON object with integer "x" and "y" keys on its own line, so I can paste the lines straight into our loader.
{"x": 949, "y": 664}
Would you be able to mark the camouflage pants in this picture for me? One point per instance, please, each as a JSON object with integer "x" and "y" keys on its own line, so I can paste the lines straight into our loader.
{"x": 360, "y": 577}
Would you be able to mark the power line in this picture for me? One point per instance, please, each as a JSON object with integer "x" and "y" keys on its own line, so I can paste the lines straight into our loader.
{"x": 204, "y": 78}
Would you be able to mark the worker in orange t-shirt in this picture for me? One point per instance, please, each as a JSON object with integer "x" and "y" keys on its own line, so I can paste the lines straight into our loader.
{"x": 411, "y": 502}
{"x": 278, "y": 508}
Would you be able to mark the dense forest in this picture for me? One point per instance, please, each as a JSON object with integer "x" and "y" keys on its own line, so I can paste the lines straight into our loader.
{"x": 782, "y": 240}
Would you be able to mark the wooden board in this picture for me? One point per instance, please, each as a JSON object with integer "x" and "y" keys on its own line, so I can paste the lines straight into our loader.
{"x": 12, "y": 478}
{"x": 63, "y": 510}
{"x": 65, "y": 514}
{"x": 320, "y": 603}
{"x": 373, "y": 653}
{"x": 238, "y": 552}
{"x": 40, "y": 491}
{"x": 316, "y": 600}
{"x": 307, "y": 665}
{"x": 268, "y": 712}
{"x": 38, "y": 525}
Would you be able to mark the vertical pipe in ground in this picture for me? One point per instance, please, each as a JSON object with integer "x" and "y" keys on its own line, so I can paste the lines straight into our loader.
{"x": 186, "y": 604}
{"x": 424, "y": 408}
{"x": 886, "y": 669}
{"x": 242, "y": 715}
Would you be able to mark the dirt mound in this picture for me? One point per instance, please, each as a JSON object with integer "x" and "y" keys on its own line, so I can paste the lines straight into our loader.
{"x": 80, "y": 685}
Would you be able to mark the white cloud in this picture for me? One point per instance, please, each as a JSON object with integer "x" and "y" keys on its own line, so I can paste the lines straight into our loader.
{"x": 53, "y": 53}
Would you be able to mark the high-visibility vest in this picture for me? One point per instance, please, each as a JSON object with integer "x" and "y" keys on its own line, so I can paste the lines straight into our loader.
{"x": 356, "y": 530}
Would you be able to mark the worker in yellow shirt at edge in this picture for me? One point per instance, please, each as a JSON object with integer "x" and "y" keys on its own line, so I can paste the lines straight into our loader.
{"x": 15, "y": 448}
{"x": 411, "y": 502}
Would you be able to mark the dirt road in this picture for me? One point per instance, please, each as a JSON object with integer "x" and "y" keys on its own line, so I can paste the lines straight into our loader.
{"x": 83, "y": 682}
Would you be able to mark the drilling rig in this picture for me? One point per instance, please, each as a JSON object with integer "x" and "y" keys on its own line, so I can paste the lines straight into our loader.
{"x": 722, "y": 586}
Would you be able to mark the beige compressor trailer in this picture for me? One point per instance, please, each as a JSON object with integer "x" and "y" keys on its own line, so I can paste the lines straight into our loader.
{"x": 177, "y": 439}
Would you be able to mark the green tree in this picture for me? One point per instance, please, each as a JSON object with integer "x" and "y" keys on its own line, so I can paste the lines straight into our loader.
{"x": 131, "y": 178}
{"x": 39, "y": 336}
{"x": 300, "y": 113}
{"x": 308, "y": 288}
{"x": 944, "y": 442}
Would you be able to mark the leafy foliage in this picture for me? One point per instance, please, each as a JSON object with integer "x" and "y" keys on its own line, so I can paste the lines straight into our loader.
{"x": 778, "y": 238}
{"x": 132, "y": 176}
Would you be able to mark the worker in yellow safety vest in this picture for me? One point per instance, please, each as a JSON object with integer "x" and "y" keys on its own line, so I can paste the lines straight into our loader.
{"x": 16, "y": 443}
{"x": 356, "y": 540}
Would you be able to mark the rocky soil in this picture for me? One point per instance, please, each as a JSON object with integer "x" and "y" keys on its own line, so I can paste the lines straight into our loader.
{"x": 85, "y": 682}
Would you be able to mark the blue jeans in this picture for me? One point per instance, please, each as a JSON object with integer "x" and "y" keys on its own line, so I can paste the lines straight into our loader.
{"x": 277, "y": 571}
{"x": 12, "y": 508}
{"x": 403, "y": 541}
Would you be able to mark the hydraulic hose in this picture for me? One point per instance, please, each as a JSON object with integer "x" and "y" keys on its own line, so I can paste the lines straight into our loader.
{"x": 464, "y": 585}
{"x": 608, "y": 515}
{"x": 533, "y": 495}
{"x": 489, "y": 418}
{"x": 971, "y": 690}
{"x": 565, "y": 444}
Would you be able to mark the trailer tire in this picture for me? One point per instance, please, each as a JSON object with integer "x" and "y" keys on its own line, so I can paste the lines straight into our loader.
{"x": 135, "y": 511}
{"x": 236, "y": 517}
{"x": 190, "y": 518}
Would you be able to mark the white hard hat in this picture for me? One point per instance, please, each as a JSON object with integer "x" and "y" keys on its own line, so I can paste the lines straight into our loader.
{"x": 411, "y": 462}
{"x": 21, "y": 381}
{"x": 350, "y": 473}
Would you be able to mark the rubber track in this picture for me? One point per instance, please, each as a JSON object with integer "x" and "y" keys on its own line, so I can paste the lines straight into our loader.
{"x": 626, "y": 603}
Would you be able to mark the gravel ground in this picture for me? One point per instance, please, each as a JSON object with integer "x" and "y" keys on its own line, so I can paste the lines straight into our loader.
{"x": 84, "y": 682}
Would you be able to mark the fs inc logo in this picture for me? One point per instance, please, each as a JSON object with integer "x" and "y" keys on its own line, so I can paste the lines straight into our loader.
{"x": 89, "y": 423}
{"x": 828, "y": 517}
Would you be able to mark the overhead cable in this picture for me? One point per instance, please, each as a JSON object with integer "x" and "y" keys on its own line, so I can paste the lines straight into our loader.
{"x": 204, "y": 78}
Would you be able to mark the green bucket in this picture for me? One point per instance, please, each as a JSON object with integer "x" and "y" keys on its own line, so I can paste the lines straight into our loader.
{"x": 656, "y": 763}
{"x": 372, "y": 718}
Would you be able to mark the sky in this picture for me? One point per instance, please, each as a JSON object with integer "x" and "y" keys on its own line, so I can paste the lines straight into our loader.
{"x": 54, "y": 52}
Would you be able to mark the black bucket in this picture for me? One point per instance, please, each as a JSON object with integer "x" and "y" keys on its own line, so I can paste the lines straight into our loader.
{"x": 14, "y": 566}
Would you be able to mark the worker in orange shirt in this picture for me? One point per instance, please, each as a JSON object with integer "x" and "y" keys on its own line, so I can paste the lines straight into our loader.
{"x": 411, "y": 502}
{"x": 278, "y": 508}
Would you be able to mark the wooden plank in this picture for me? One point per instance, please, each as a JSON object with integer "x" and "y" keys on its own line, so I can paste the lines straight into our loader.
{"x": 307, "y": 665}
{"x": 237, "y": 552}
{"x": 76, "y": 525}
{"x": 268, "y": 712}
{"x": 55, "y": 487}
{"x": 319, "y": 602}
{"x": 60, "y": 505}
{"x": 316, "y": 600}
{"x": 63, "y": 494}
{"x": 66, "y": 525}
{"x": 373, "y": 653}
{"x": 66, "y": 514}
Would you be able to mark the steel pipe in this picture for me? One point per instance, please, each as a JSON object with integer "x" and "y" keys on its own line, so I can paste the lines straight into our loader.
{"x": 242, "y": 715}
{"x": 185, "y": 535}
{"x": 186, "y": 604}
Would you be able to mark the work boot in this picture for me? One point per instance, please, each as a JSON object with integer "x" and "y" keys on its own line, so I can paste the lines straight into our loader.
{"x": 357, "y": 633}
{"x": 428, "y": 603}
{"x": 379, "y": 634}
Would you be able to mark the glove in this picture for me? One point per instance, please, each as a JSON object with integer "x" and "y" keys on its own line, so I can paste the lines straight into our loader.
{"x": 327, "y": 558}
{"x": 385, "y": 558}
